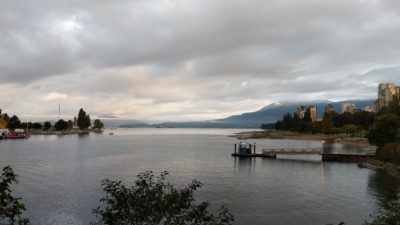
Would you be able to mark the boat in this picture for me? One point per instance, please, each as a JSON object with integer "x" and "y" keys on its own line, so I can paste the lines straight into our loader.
{"x": 244, "y": 148}
{"x": 111, "y": 133}
{"x": 13, "y": 135}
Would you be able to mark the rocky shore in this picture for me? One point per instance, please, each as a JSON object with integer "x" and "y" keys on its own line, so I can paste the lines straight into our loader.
{"x": 385, "y": 167}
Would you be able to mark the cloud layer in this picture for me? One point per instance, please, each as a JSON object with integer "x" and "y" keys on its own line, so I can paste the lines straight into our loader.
{"x": 192, "y": 59}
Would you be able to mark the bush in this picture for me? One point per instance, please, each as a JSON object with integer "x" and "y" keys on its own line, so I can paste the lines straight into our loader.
{"x": 389, "y": 153}
{"x": 152, "y": 200}
{"x": 10, "y": 207}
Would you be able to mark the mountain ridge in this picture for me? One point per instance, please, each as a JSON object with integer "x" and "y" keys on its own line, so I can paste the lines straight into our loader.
{"x": 267, "y": 114}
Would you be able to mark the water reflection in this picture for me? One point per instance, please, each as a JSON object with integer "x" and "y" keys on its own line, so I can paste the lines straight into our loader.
{"x": 341, "y": 148}
{"x": 384, "y": 187}
{"x": 245, "y": 164}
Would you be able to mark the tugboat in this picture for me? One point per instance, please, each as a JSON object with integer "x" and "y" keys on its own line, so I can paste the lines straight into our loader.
{"x": 244, "y": 148}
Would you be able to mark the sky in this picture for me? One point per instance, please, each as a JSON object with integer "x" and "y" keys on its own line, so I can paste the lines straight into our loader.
{"x": 187, "y": 60}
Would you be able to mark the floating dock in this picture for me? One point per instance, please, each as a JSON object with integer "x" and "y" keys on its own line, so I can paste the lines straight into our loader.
{"x": 273, "y": 153}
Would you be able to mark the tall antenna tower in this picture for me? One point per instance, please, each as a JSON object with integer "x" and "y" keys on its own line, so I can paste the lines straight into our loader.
{"x": 59, "y": 111}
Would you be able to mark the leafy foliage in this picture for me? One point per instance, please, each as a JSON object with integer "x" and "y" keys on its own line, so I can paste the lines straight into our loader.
{"x": 389, "y": 153}
{"x": 10, "y": 207}
{"x": 97, "y": 124}
{"x": 83, "y": 120}
{"x": 14, "y": 122}
{"x": 37, "y": 125}
{"x": 385, "y": 130}
{"x": 46, "y": 125}
{"x": 152, "y": 200}
{"x": 390, "y": 216}
{"x": 61, "y": 125}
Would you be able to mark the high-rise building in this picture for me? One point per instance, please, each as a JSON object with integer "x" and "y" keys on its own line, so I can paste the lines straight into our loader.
{"x": 385, "y": 94}
{"x": 301, "y": 111}
{"x": 313, "y": 112}
{"x": 329, "y": 108}
{"x": 348, "y": 107}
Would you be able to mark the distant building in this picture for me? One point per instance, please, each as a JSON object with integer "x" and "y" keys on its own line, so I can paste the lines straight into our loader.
{"x": 348, "y": 107}
{"x": 368, "y": 109}
{"x": 313, "y": 112}
{"x": 301, "y": 111}
{"x": 386, "y": 91}
{"x": 329, "y": 108}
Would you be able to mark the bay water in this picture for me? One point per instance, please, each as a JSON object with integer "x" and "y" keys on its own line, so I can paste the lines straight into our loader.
{"x": 60, "y": 176}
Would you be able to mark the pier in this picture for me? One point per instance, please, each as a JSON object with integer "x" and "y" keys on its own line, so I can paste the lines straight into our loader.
{"x": 273, "y": 153}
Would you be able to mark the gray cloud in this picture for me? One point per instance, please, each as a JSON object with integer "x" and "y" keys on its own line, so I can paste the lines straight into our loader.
{"x": 172, "y": 59}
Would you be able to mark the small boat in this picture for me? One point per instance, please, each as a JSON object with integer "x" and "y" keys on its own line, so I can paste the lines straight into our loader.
{"x": 244, "y": 148}
{"x": 111, "y": 133}
{"x": 14, "y": 135}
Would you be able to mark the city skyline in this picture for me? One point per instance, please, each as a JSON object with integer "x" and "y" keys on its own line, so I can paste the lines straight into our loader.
{"x": 192, "y": 60}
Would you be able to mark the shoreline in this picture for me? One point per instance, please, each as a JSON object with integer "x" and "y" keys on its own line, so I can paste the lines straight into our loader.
{"x": 390, "y": 169}
{"x": 300, "y": 136}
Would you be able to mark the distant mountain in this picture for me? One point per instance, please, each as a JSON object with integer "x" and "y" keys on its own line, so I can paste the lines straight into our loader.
{"x": 268, "y": 114}
{"x": 274, "y": 112}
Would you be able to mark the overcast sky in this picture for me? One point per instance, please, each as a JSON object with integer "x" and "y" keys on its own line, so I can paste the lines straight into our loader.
{"x": 192, "y": 59}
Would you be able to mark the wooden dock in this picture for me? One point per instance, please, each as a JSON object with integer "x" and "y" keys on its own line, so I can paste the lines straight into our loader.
{"x": 260, "y": 155}
{"x": 273, "y": 153}
{"x": 310, "y": 151}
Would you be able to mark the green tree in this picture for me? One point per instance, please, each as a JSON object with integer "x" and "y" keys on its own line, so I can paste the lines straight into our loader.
{"x": 307, "y": 116}
{"x": 46, "y": 125}
{"x": 37, "y": 125}
{"x": 98, "y": 124}
{"x": 83, "y": 120}
{"x": 11, "y": 208}
{"x": 152, "y": 200}
{"x": 14, "y": 123}
{"x": 61, "y": 125}
{"x": 287, "y": 121}
{"x": 327, "y": 125}
{"x": 351, "y": 129}
{"x": 385, "y": 130}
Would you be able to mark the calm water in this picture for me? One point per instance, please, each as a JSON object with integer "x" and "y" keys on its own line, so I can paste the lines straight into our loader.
{"x": 60, "y": 176}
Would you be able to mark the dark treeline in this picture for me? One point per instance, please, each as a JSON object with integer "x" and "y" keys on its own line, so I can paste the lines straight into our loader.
{"x": 332, "y": 123}
{"x": 83, "y": 121}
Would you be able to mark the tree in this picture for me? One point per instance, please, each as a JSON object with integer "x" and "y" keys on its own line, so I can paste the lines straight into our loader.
{"x": 14, "y": 123}
{"x": 6, "y": 117}
{"x": 61, "y": 125}
{"x": 46, "y": 125}
{"x": 307, "y": 116}
{"x": 37, "y": 125}
{"x": 25, "y": 125}
{"x": 327, "y": 125}
{"x": 385, "y": 130}
{"x": 11, "y": 208}
{"x": 70, "y": 124}
{"x": 152, "y": 200}
{"x": 97, "y": 124}
{"x": 351, "y": 129}
{"x": 83, "y": 120}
